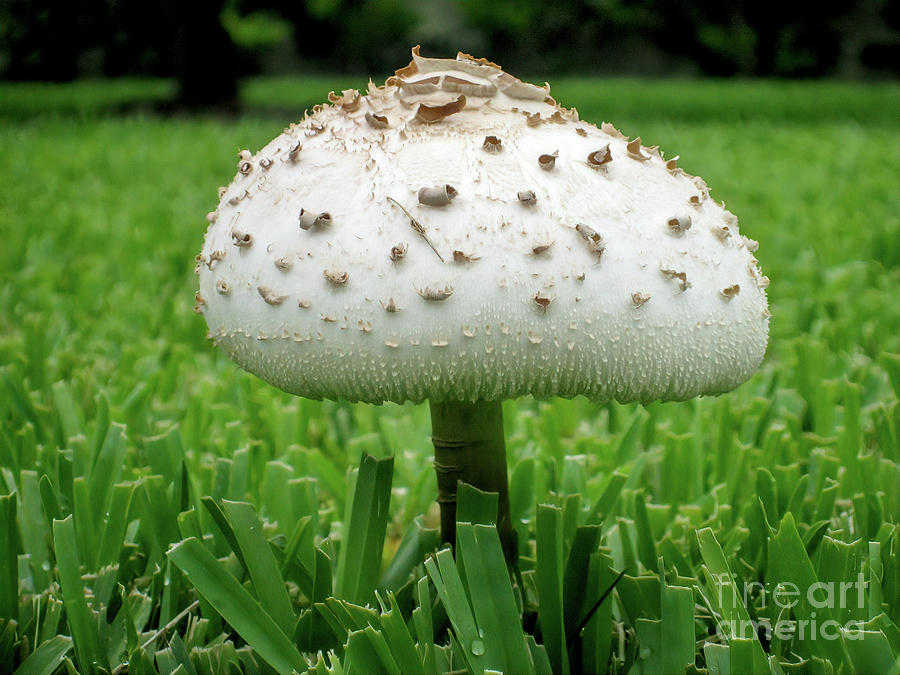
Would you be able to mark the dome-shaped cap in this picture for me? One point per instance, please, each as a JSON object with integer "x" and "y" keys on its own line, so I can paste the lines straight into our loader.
{"x": 457, "y": 235}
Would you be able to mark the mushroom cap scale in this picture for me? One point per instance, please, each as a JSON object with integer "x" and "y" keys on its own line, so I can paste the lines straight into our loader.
{"x": 475, "y": 331}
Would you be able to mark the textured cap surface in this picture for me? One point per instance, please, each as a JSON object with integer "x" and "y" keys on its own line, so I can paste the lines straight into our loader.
{"x": 457, "y": 235}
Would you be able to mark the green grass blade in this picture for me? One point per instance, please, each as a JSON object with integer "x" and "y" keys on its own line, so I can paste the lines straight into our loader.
{"x": 493, "y": 602}
{"x": 597, "y": 631}
{"x": 9, "y": 563}
{"x": 359, "y": 560}
{"x": 871, "y": 652}
{"x": 745, "y": 657}
{"x": 650, "y": 652}
{"x": 550, "y": 585}
{"x": 603, "y": 507}
{"x": 646, "y": 549}
{"x": 181, "y": 655}
{"x": 261, "y": 563}
{"x": 34, "y": 530}
{"x": 46, "y": 659}
{"x": 725, "y": 594}
{"x": 417, "y": 542}
{"x": 8, "y": 643}
{"x": 717, "y": 658}
{"x": 400, "y": 641}
{"x": 70, "y": 420}
{"x": 85, "y": 521}
{"x": 49, "y": 501}
{"x": 224, "y": 526}
{"x": 476, "y": 506}
{"x": 107, "y": 469}
{"x": 677, "y": 627}
{"x": 275, "y": 494}
{"x": 367, "y": 652}
{"x": 445, "y": 576}
{"x": 79, "y": 617}
{"x": 115, "y": 523}
{"x": 575, "y": 602}
{"x": 789, "y": 563}
{"x": 423, "y": 621}
{"x": 236, "y": 605}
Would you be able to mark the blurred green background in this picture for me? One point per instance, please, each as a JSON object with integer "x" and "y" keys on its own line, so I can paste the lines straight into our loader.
{"x": 208, "y": 45}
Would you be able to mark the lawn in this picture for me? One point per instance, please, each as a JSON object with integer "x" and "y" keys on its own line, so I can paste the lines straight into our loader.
{"x": 163, "y": 511}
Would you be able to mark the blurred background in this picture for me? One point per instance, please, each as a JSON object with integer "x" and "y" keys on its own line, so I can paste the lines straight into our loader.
{"x": 207, "y": 46}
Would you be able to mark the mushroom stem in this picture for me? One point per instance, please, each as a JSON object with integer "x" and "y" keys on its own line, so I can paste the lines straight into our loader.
{"x": 469, "y": 448}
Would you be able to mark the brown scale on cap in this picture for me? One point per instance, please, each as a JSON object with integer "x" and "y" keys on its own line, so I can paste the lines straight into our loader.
{"x": 492, "y": 144}
{"x": 398, "y": 252}
{"x": 348, "y": 100}
{"x": 337, "y": 277}
{"x": 633, "y": 148}
{"x": 309, "y": 220}
{"x": 270, "y": 296}
{"x": 542, "y": 299}
{"x": 722, "y": 233}
{"x": 439, "y": 195}
{"x": 599, "y": 158}
{"x": 377, "y": 121}
{"x": 293, "y": 154}
{"x": 435, "y": 294}
{"x": 214, "y": 257}
{"x": 608, "y": 129}
{"x": 594, "y": 240}
{"x": 242, "y": 239}
{"x": 461, "y": 257}
{"x": 527, "y": 197}
{"x": 639, "y": 299}
{"x": 390, "y": 306}
{"x": 548, "y": 161}
{"x": 238, "y": 198}
{"x": 684, "y": 284}
{"x": 679, "y": 224}
{"x": 731, "y": 291}
{"x": 429, "y": 114}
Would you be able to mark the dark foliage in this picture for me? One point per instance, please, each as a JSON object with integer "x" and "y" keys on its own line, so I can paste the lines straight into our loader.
{"x": 208, "y": 44}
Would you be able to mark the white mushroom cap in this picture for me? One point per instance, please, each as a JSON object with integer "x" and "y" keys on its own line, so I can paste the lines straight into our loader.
{"x": 547, "y": 257}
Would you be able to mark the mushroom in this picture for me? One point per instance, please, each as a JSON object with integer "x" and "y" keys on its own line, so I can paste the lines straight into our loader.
{"x": 472, "y": 335}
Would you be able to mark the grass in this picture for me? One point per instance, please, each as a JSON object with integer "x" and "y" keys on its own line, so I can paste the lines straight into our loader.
{"x": 165, "y": 512}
